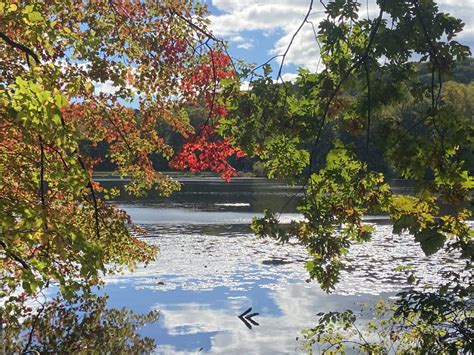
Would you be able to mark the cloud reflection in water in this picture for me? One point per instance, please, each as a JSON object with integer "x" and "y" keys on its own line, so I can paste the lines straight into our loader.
{"x": 206, "y": 275}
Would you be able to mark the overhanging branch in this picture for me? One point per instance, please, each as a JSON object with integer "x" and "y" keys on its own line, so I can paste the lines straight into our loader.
{"x": 29, "y": 52}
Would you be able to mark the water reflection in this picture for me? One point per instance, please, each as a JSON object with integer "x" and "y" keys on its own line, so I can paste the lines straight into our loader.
{"x": 202, "y": 257}
{"x": 211, "y": 268}
{"x": 82, "y": 324}
{"x": 192, "y": 320}
{"x": 206, "y": 275}
{"x": 211, "y": 194}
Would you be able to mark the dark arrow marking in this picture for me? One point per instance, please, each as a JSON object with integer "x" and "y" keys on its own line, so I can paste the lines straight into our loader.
{"x": 246, "y": 318}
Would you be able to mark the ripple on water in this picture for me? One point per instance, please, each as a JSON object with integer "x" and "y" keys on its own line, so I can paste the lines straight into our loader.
{"x": 203, "y": 257}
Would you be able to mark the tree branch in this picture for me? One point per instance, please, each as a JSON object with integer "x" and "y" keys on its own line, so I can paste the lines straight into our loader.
{"x": 293, "y": 38}
{"x": 14, "y": 257}
{"x": 356, "y": 65}
{"x": 208, "y": 34}
{"x": 33, "y": 326}
{"x": 21, "y": 47}
{"x": 369, "y": 105}
{"x": 94, "y": 198}
{"x": 42, "y": 187}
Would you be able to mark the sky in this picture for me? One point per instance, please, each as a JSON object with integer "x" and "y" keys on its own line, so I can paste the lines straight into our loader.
{"x": 259, "y": 29}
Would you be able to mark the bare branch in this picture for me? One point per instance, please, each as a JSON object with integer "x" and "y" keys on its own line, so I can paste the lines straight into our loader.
{"x": 293, "y": 38}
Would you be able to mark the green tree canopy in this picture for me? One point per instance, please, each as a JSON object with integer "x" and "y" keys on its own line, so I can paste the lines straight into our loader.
{"x": 71, "y": 71}
{"x": 369, "y": 101}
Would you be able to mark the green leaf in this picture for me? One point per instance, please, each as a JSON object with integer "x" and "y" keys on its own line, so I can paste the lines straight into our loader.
{"x": 430, "y": 240}
{"x": 35, "y": 16}
{"x": 28, "y": 9}
{"x": 267, "y": 69}
{"x": 406, "y": 222}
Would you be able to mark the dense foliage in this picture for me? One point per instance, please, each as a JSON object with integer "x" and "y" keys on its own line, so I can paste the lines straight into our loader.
{"x": 75, "y": 75}
{"x": 71, "y": 73}
{"x": 369, "y": 101}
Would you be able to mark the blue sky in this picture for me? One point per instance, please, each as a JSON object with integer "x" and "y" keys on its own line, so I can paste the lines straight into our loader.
{"x": 258, "y": 29}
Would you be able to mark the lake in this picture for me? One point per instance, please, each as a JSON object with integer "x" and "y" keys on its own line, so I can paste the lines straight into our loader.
{"x": 211, "y": 268}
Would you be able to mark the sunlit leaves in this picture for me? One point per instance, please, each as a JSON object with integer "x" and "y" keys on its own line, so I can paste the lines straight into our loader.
{"x": 55, "y": 226}
{"x": 413, "y": 127}
{"x": 442, "y": 325}
{"x": 205, "y": 150}
{"x": 334, "y": 203}
{"x": 283, "y": 159}
{"x": 80, "y": 323}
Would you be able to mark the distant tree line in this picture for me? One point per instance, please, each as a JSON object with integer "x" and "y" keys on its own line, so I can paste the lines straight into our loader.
{"x": 464, "y": 72}
{"x": 459, "y": 88}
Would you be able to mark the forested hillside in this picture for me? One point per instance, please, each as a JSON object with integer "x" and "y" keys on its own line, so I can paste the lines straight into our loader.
{"x": 458, "y": 89}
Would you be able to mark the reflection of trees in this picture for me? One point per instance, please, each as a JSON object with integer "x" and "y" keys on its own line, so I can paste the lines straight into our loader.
{"x": 81, "y": 325}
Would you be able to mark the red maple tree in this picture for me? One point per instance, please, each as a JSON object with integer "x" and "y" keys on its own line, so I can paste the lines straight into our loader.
{"x": 205, "y": 149}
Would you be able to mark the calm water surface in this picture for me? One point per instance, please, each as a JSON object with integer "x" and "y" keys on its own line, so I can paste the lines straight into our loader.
{"x": 211, "y": 268}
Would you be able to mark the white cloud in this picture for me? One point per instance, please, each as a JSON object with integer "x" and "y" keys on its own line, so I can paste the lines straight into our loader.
{"x": 107, "y": 87}
{"x": 289, "y": 77}
{"x": 304, "y": 50}
{"x": 246, "y": 45}
{"x": 245, "y": 85}
{"x": 237, "y": 39}
{"x": 243, "y": 43}
{"x": 275, "y": 16}
{"x": 252, "y": 15}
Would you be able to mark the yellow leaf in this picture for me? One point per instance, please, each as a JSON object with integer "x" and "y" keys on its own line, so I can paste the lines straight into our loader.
{"x": 35, "y": 16}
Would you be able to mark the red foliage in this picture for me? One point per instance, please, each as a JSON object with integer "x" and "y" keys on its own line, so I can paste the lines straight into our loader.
{"x": 204, "y": 79}
{"x": 205, "y": 150}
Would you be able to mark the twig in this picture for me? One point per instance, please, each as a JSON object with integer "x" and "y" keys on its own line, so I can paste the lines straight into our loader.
{"x": 208, "y": 34}
{"x": 42, "y": 187}
{"x": 292, "y": 39}
{"x": 369, "y": 106}
{"x": 317, "y": 42}
{"x": 94, "y": 198}
{"x": 33, "y": 325}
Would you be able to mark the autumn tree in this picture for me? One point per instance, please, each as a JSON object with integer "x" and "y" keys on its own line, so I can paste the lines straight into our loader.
{"x": 359, "y": 100}
{"x": 92, "y": 71}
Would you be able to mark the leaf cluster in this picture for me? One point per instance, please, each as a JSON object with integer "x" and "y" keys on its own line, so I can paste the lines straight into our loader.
{"x": 70, "y": 72}
{"x": 369, "y": 112}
